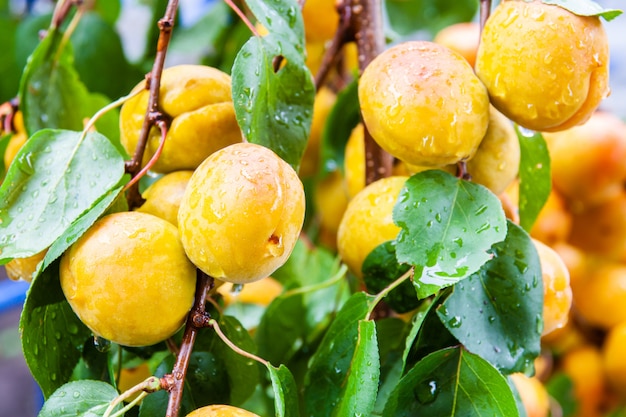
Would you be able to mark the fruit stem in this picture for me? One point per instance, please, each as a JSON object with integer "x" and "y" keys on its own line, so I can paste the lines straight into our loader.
{"x": 213, "y": 323}
{"x": 151, "y": 384}
{"x": 177, "y": 380}
{"x": 153, "y": 83}
{"x": 243, "y": 17}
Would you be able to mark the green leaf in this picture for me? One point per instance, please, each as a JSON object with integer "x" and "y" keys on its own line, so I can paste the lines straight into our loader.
{"x": 496, "y": 313}
{"x": 361, "y": 385}
{"x": 80, "y": 399}
{"x": 408, "y": 16}
{"x": 561, "y": 388}
{"x": 285, "y": 392}
{"x": 55, "y": 177}
{"x": 534, "y": 175}
{"x": 205, "y": 33}
{"x": 341, "y": 120}
{"x": 380, "y": 269}
{"x": 9, "y": 69}
{"x": 333, "y": 358}
{"x": 452, "y": 383}
{"x": 448, "y": 226}
{"x": 585, "y": 8}
{"x": 4, "y": 141}
{"x": 52, "y": 335}
{"x": 274, "y": 108}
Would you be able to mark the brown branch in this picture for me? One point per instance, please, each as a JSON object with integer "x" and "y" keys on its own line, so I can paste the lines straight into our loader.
{"x": 485, "y": 10}
{"x": 343, "y": 35}
{"x": 196, "y": 320}
{"x": 153, "y": 113}
{"x": 367, "y": 27}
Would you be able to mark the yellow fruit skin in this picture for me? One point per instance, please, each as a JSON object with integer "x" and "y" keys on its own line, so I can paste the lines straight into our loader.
{"x": 533, "y": 394}
{"x": 261, "y": 292}
{"x": 128, "y": 279}
{"x": 461, "y": 37}
{"x": 367, "y": 221}
{"x": 496, "y": 162}
{"x": 324, "y": 101}
{"x": 242, "y": 213}
{"x": 614, "y": 358}
{"x": 545, "y": 67}
{"x": 164, "y": 195}
{"x": 557, "y": 293}
{"x": 584, "y": 367}
{"x": 198, "y": 99}
{"x": 129, "y": 377}
{"x": 331, "y": 200}
{"x": 24, "y": 268}
{"x": 587, "y": 161}
{"x": 423, "y": 104}
{"x": 321, "y": 20}
{"x": 218, "y": 410}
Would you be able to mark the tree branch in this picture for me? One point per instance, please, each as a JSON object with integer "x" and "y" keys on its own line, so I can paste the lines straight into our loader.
{"x": 485, "y": 10}
{"x": 153, "y": 113}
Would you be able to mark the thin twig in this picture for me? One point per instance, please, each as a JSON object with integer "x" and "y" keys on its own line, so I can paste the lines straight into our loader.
{"x": 213, "y": 323}
{"x": 197, "y": 319}
{"x": 153, "y": 114}
{"x": 343, "y": 35}
{"x": 243, "y": 17}
{"x": 163, "y": 126}
{"x": 485, "y": 10}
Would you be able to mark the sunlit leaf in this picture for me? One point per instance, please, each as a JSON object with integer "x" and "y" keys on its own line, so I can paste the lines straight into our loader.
{"x": 285, "y": 392}
{"x": 80, "y": 399}
{"x": 585, "y": 8}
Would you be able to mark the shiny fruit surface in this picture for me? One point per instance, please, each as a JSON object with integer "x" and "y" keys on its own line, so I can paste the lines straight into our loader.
{"x": 163, "y": 197}
{"x": 242, "y": 213}
{"x": 587, "y": 161}
{"x": 423, "y": 104}
{"x": 128, "y": 279}
{"x": 198, "y": 100}
{"x": 219, "y": 410}
{"x": 24, "y": 268}
{"x": 462, "y": 38}
{"x": 368, "y": 221}
{"x": 496, "y": 162}
{"x": 557, "y": 293}
{"x": 545, "y": 67}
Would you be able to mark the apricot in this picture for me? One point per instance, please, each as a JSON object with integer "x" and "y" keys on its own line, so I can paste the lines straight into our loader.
{"x": 330, "y": 200}
{"x": 16, "y": 141}
{"x": 164, "y": 195}
{"x": 131, "y": 376}
{"x": 128, "y": 279}
{"x": 461, "y": 37}
{"x": 219, "y": 410}
{"x": 554, "y": 222}
{"x": 24, "y": 268}
{"x": 423, "y": 104}
{"x": 545, "y": 67}
{"x": 198, "y": 100}
{"x": 242, "y": 213}
{"x": 614, "y": 358}
{"x": 261, "y": 292}
{"x": 557, "y": 293}
{"x": 533, "y": 394}
{"x": 368, "y": 222}
{"x": 496, "y": 162}
{"x": 587, "y": 161}
{"x": 321, "y": 20}
{"x": 324, "y": 101}
{"x": 583, "y": 366}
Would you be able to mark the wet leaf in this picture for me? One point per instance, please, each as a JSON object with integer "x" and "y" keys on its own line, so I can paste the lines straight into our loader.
{"x": 496, "y": 313}
{"x": 585, "y": 8}
{"x": 80, "y": 399}
{"x": 285, "y": 392}
{"x": 448, "y": 226}
{"x": 55, "y": 177}
{"x": 534, "y": 175}
{"x": 274, "y": 107}
{"x": 452, "y": 383}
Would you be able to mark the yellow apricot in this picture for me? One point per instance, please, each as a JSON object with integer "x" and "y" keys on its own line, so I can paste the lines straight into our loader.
{"x": 583, "y": 366}
{"x": 261, "y": 292}
{"x": 131, "y": 376}
{"x": 614, "y": 358}
{"x": 242, "y": 213}
{"x": 423, "y": 104}
{"x": 164, "y": 195}
{"x": 128, "y": 279}
{"x": 557, "y": 293}
{"x": 321, "y": 20}
{"x": 331, "y": 200}
{"x": 587, "y": 161}
{"x": 533, "y": 394}
{"x": 554, "y": 222}
{"x": 324, "y": 101}
{"x": 198, "y": 100}
{"x": 24, "y": 268}
{"x": 461, "y": 37}
{"x": 368, "y": 222}
{"x": 545, "y": 67}
{"x": 218, "y": 410}
{"x": 496, "y": 162}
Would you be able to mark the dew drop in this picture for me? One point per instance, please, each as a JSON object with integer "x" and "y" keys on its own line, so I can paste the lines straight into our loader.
{"x": 101, "y": 344}
{"x": 426, "y": 391}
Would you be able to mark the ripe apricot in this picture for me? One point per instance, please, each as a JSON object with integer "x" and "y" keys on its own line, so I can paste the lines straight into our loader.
{"x": 242, "y": 213}
{"x": 554, "y": 222}
{"x": 496, "y": 162}
{"x": 331, "y": 200}
{"x": 324, "y": 101}
{"x": 545, "y": 67}
{"x": 219, "y": 410}
{"x": 131, "y": 376}
{"x": 17, "y": 140}
{"x": 164, "y": 195}
{"x": 128, "y": 279}
{"x": 614, "y": 358}
{"x": 533, "y": 394}
{"x": 368, "y": 222}
{"x": 423, "y": 104}
{"x": 321, "y": 20}
{"x": 198, "y": 100}
{"x": 583, "y": 366}
{"x": 24, "y": 268}
{"x": 587, "y": 161}
{"x": 261, "y": 292}
{"x": 557, "y": 293}
{"x": 461, "y": 37}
